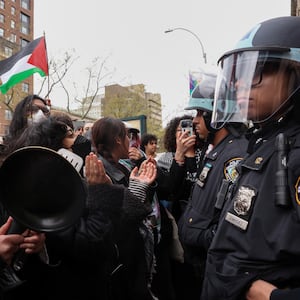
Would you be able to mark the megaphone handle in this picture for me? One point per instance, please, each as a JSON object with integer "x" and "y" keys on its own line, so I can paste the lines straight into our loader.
{"x": 20, "y": 256}
{"x": 15, "y": 227}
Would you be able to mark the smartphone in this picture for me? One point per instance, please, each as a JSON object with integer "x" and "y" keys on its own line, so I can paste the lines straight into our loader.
{"x": 187, "y": 125}
{"x": 134, "y": 140}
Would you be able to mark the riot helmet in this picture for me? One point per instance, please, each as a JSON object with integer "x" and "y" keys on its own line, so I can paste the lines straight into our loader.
{"x": 270, "y": 48}
{"x": 202, "y": 89}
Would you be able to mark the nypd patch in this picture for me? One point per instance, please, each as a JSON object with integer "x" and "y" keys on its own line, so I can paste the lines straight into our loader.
{"x": 230, "y": 171}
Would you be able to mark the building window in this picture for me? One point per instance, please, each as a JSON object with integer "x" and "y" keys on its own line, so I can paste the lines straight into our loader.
{"x": 25, "y": 4}
{"x": 24, "y": 43}
{"x": 1, "y": 18}
{"x": 8, "y": 115}
{"x": 2, "y": 32}
{"x": 25, "y": 87}
{"x": 12, "y": 10}
{"x": 8, "y": 51}
{"x": 25, "y": 23}
{"x": 12, "y": 24}
{"x": 13, "y": 38}
{"x": 2, "y": 4}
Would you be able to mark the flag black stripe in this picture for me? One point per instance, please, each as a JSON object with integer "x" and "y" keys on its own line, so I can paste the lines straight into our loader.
{"x": 7, "y": 64}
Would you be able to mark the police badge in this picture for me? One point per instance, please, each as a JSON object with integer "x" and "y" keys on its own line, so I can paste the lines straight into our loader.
{"x": 242, "y": 204}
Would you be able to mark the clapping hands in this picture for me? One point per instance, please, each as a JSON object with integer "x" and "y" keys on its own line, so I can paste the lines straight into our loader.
{"x": 146, "y": 173}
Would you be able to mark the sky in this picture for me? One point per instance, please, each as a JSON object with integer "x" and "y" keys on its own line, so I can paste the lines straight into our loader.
{"x": 130, "y": 36}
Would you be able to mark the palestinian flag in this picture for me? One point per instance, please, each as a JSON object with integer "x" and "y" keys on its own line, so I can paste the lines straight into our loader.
{"x": 31, "y": 59}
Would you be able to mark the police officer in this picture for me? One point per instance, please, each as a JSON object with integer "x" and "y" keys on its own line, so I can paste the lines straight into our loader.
{"x": 224, "y": 149}
{"x": 258, "y": 232}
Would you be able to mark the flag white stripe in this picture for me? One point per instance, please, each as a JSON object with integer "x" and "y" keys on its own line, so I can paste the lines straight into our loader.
{"x": 20, "y": 66}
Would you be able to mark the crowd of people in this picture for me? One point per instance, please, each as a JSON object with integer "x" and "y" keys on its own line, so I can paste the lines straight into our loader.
{"x": 214, "y": 217}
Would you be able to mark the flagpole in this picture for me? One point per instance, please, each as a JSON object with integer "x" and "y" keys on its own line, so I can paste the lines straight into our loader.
{"x": 48, "y": 66}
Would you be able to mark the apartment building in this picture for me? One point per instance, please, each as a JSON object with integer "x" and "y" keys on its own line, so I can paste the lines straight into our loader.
{"x": 16, "y": 31}
{"x": 152, "y": 107}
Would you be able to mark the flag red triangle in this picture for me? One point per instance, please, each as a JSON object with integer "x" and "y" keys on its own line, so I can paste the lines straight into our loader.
{"x": 39, "y": 58}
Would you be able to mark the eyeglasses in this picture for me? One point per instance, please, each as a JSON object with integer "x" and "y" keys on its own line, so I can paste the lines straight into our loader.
{"x": 267, "y": 68}
{"x": 35, "y": 108}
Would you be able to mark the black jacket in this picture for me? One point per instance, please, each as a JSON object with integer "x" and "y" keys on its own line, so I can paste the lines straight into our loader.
{"x": 257, "y": 238}
{"x": 83, "y": 256}
{"x": 131, "y": 280}
{"x": 200, "y": 219}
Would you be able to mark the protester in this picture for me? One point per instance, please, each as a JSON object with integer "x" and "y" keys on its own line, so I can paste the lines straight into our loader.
{"x": 149, "y": 144}
{"x": 161, "y": 284}
{"x": 11, "y": 277}
{"x": 171, "y": 256}
{"x": 176, "y": 141}
{"x": 258, "y": 231}
{"x": 87, "y": 127}
{"x": 28, "y": 111}
{"x": 84, "y": 256}
{"x": 135, "y": 239}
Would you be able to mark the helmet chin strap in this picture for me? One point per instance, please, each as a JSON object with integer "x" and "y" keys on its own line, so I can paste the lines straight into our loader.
{"x": 210, "y": 136}
{"x": 207, "y": 120}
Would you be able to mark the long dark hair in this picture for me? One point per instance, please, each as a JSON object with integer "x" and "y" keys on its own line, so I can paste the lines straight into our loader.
{"x": 104, "y": 134}
{"x": 19, "y": 121}
{"x": 48, "y": 133}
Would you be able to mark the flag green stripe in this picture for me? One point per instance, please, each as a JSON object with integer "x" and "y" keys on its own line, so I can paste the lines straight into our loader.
{"x": 14, "y": 79}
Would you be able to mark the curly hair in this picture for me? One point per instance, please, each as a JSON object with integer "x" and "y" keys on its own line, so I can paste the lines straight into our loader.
{"x": 146, "y": 138}
{"x": 170, "y": 132}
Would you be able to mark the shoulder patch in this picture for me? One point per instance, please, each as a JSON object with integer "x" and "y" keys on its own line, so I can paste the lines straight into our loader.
{"x": 230, "y": 171}
{"x": 297, "y": 189}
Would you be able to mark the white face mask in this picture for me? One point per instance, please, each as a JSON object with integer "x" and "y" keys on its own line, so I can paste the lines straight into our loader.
{"x": 36, "y": 117}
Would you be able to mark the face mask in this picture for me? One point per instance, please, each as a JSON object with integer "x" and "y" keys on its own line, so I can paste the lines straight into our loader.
{"x": 36, "y": 117}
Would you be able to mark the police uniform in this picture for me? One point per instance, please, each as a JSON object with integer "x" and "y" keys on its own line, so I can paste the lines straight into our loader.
{"x": 256, "y": 238}
{"x": 199, "y": 221}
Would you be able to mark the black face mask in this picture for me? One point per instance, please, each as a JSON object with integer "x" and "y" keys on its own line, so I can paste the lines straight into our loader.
{"x": 82, "y": 146}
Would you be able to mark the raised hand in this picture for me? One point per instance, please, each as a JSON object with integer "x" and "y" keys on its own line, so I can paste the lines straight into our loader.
{"x": 95, "y": 171}
{"x": 134, "y": 153}
{"x": 185, "y": 144}
{"x": 146, "y": 173}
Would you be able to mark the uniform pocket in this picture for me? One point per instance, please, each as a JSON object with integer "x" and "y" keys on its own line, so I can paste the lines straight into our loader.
{"x": 192, "y": 226}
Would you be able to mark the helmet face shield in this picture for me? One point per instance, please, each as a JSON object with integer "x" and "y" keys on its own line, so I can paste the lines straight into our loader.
{"x": 251, "y": 87}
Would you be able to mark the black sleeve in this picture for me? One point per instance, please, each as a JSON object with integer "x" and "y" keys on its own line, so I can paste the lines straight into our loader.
{"x": 108, "y": 208}
{"x": 91, "y": 236}
{"x": 170, "y": 181}
{"x": 278, "y": 294}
